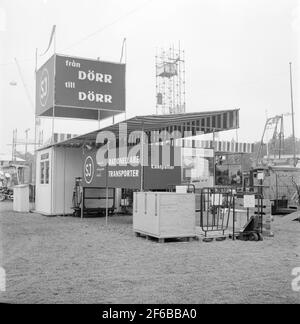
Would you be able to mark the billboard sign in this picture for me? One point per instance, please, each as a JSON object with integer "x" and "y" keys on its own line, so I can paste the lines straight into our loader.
{"x": 80, "y": 88}
{"x": 126, "y": 172}
{"x": 45, "y": 87}
{"x": 117, "y": 173}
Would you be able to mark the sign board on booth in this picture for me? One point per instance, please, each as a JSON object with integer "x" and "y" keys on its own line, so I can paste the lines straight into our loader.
{"x": 114, "y": 175}
{"x": 79, "y": 88}
{"x": 122, "y": 173}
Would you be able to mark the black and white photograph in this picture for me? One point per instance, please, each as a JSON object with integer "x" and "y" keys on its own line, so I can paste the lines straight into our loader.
{"x": 149, "y": 155}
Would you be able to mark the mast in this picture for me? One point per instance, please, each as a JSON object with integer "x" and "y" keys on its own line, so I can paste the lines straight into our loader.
{"x": 293, "y": 119}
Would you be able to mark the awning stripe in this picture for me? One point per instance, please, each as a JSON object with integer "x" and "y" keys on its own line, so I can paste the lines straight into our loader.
{"x": 206, "y": 122}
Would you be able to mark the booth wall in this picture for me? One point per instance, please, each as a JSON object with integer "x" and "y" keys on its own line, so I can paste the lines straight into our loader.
{"x": 43, "y": 191}
{"x": 55, "y": 197}
{"x": 67, "y": 166}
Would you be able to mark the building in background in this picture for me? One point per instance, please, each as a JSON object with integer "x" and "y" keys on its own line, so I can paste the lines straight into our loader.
{"x": 14, "y": 172}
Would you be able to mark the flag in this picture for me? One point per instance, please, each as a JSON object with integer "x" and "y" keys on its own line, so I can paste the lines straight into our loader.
{"x": 51, "y": 39}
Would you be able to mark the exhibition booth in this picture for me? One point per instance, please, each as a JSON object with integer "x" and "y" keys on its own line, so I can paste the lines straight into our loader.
{"x": 144, "y": 153}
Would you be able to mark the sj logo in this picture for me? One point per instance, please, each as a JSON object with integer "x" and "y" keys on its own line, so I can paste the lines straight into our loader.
{"x": 89, "y": 170}
{"x": 296, "y": 281}
{"x": 44, "y": 88}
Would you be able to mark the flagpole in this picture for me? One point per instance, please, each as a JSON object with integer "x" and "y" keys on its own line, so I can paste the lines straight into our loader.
{"x": 52, "y": 40}
{"x": 53, "y": 116}
{"x": 35, "y": 128}
{"x": 35, "y": 131}
{"x": 293, "y": 119}
{"x": 122, "y": 51}
{"x": 54, "y": 49}
{"x": 55, "y": 41}
{"x": 125, "y": 45}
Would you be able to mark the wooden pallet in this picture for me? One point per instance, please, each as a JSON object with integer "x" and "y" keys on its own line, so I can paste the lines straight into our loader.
{"x": 165, "y": 239}
{"x": 208, "y": 239}
{"x": 211, "y": 236}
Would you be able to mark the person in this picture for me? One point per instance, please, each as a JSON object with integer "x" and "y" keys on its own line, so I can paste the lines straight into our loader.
{"x": 233, "y": 180}
{"x": 2, "y": 178}
{"x": 238, "y": 178}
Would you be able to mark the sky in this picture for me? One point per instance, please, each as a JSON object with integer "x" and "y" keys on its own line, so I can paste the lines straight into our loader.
{"x": 237, "y": 55}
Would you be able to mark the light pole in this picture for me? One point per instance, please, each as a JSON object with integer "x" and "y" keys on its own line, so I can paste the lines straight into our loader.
{"x": 26, "y": 141}
{"x": 14, "y": 83}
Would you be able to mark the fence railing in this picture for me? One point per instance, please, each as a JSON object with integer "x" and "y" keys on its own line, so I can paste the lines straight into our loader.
{"x": 227, "y": 209}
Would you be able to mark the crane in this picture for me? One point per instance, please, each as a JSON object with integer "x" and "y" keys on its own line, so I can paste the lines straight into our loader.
{"x": 275, "y": 123}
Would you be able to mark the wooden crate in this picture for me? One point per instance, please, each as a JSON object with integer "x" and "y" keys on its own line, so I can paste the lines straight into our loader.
{"x": 164, "y": 214}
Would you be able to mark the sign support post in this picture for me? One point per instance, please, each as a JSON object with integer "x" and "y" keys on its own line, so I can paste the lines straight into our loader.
{"x": 98, "y": 118}
{"x": 106, "y": 207}
{"x": 106, "y": 199}
{"x": 142, "y": 159}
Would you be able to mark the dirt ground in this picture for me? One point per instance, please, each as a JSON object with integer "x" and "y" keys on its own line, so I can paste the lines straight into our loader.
{"x": 68, "y": 260}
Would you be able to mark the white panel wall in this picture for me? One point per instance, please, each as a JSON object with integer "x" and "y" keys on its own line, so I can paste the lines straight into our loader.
{"x": 43, "y": 191}
{"x": 65, "y": 166}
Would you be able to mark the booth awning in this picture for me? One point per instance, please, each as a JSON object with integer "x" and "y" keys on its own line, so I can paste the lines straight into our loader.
{"x": 187, "y": 123}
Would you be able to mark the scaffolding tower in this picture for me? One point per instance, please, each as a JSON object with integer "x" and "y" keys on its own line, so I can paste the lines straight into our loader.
{"x": 16, "y": 142}
{"x": 170, "y": 81}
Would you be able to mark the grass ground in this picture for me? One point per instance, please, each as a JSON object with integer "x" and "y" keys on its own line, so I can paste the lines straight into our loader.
{"x": 68, "y": 260}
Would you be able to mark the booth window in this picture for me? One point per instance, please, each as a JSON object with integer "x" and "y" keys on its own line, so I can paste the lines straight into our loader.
{"x": 44, "y": 171}
{"x": 47, "y": 172}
